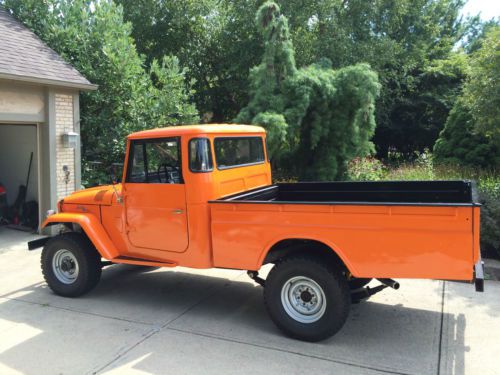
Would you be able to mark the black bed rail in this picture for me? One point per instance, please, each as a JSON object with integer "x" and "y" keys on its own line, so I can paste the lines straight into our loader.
{"x": 385, "y": 191}
{"x": 462, "y": 192}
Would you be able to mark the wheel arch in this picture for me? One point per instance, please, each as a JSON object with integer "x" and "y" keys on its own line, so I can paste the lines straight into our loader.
{"x": 92, "y": 228}
{"x": 305, "y": 245}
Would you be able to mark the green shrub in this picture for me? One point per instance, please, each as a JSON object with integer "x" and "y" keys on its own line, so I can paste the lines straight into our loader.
{"x": 366, "y": 169}
{"x": 459, "y": 144}
{"x": 490, "y": 223}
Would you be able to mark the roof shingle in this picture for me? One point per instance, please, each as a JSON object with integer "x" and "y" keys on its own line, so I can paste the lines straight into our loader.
{"x": 25, "y": 57}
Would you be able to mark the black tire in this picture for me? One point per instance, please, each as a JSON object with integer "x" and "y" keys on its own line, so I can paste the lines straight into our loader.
{"x": 80, "y": 252}
{"x": 332, "y": 284}
{"x": 356, "y": 283}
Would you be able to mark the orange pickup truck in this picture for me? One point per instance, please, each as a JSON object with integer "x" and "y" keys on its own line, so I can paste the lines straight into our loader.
{"x": 202, "y": 196}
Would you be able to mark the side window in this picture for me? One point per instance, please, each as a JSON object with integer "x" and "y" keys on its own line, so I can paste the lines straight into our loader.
{"x": 200, "y": 155}
{"x": 156, "y": 161}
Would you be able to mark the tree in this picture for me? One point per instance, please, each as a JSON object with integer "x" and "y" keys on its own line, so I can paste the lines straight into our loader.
{"x": 93, "y": 37}
{"x": 215, "y": 39}
{"x": 317, "y": 118}
{"x": 401, "y": 40}
{"x": 472, "y": 131}
{"x": 482, "y": 88}
{"x": 459, "y": 144}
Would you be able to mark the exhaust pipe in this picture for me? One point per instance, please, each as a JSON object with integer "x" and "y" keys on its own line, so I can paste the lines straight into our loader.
{"x": 390, "y": 283}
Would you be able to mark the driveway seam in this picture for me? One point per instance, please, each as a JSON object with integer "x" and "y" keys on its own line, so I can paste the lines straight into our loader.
{"x": 441, "y": 329}
{"x": 227, "y": 339}
{"x": 153, "y": 332}
{"x": 78, "y": 311}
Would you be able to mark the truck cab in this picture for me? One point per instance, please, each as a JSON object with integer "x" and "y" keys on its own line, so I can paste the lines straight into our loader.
{"x": 160, "y": 211}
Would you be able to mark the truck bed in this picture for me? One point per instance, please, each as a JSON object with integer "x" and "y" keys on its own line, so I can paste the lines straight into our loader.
{"x": 416, "y": 229}
{"x": 362, "y": 193}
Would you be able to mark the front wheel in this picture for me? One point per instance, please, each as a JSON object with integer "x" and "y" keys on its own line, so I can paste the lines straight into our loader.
{"x": 306, "y": 298}
{"x": 71, "y": 265}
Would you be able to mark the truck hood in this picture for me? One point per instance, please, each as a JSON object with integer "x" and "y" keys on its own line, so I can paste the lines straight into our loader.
{"x": 99, "y": 195}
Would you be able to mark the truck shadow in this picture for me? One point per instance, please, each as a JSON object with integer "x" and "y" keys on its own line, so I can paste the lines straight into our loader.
{"x": 223, "y": 309}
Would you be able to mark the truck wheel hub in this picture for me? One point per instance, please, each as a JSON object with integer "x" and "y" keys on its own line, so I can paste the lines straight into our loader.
{"x": 303, "y": 299}
{"x": 65, "y": 266}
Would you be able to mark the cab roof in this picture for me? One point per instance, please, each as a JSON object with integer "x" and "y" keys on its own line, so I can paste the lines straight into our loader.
{"x": 174, "y": 131}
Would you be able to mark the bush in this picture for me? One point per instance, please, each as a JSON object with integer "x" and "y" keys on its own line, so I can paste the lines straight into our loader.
{"x": 459, "y": 144}
{"x": 366, "y": 169}
{"x": 490, "y": 224}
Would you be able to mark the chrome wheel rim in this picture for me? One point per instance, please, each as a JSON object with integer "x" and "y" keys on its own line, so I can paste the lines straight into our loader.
{"x": 303, "y": 299}
{"x": 65, "y": 266}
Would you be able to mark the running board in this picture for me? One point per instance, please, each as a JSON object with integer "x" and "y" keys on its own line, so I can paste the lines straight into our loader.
{"x": 142, "y": 262}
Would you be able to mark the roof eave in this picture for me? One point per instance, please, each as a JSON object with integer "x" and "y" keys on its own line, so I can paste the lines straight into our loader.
{"x": 50, "y": 82}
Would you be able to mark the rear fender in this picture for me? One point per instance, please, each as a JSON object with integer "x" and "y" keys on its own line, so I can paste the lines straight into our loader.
{"x": 92, "y": 228}
{"x": 327, "y": 244}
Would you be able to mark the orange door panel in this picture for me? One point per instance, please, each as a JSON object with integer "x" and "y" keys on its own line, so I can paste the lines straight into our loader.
{"x": 156, "y": 216}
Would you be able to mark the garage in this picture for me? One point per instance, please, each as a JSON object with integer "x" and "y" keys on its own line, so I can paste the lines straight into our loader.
{"x": 40, "y": 160}
{"x": 19, "y": 171}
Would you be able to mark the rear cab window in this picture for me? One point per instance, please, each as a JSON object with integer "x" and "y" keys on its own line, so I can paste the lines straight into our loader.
{"x": 231, "y": 152}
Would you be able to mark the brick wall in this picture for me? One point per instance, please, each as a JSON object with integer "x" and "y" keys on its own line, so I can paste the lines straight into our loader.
{"x": 64, "y": 156}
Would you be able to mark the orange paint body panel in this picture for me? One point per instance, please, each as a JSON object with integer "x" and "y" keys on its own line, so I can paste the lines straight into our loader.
{"x": 372, "y": 241}
{"x": 92, "y": 227}
{"x": 145, "y": 220}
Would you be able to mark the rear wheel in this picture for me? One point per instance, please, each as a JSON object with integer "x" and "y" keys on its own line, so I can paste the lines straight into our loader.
{"x": 71, "y": 265}
{"x": 306, "y": 298}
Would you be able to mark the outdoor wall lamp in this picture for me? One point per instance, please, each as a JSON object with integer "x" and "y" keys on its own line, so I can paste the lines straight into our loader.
{"x": 70, "y": 139}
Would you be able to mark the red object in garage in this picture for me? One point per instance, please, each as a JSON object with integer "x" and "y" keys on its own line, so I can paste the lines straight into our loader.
{"x": 3, "y": 201}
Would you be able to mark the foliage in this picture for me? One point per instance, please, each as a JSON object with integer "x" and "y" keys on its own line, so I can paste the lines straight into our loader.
{"x": 458, "y": 143}
{"x": 482, "y": 89}
{"x": 490, "y": 222}
{"x": 404, "y": 42}
{"x": 215, "y": 39}
{"x": 93, "y": 37}
{"x": 317, "y": 118}
{"x": 409, "y": 43}
{"x": 471, "y": 135}
{"x": 366, "y": 169}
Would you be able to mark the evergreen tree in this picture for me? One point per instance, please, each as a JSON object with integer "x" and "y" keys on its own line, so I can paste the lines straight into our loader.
{"x": 317, "y": 118}
{"x": 472, "y": 131}
{"x": 460, "y": 144}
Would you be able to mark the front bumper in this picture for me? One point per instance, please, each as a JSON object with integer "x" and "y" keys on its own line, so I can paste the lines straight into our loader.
{"x": 36, "y": 244}
{"x": 479, "y": 276}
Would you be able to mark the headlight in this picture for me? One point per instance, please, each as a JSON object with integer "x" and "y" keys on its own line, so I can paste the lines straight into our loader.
{"x": 50, "y": 212}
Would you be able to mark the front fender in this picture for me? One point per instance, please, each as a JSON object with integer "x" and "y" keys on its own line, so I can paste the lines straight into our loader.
{"x": 92, "y": 228}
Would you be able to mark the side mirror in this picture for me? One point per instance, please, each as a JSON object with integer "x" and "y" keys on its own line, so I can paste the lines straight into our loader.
{"x": 114, "y": 181}
{"x": 112, "y": 175}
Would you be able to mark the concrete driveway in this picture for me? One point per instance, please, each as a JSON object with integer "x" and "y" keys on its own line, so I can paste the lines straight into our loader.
{"x": 180, "y": 321}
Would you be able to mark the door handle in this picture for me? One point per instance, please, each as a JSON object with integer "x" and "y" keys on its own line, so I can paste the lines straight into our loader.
{"x": 177, "y": 211}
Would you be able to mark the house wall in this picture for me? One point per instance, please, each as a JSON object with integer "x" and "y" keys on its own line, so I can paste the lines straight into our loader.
{"x": 65, "y": 157}
{"x": 56, "y": 111}
{"x": 21, "y": 102}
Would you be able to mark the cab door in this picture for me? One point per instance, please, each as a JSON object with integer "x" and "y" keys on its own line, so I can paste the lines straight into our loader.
{"x": 155, "y": 197}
